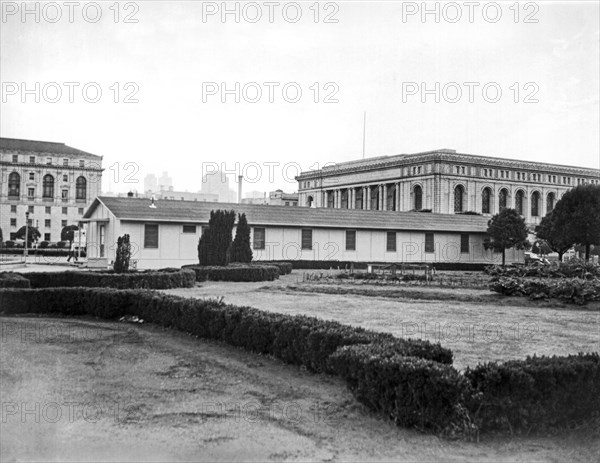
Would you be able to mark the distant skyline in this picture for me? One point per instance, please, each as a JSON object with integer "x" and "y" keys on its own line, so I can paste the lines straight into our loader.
{"x": 373, "y": 59}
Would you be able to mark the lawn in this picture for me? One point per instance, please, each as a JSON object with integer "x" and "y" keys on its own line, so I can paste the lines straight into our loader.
{"x": 482, "y": 327}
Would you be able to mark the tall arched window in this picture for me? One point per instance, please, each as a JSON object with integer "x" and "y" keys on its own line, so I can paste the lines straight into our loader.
{"x": 535, "y": 204}
{"x": 309, "y": 201}
{"x": 503, "y": 199}
{"x": 80, "y": 188}
{"x": 391, "y": 197}
{"x": 486, "y": 197}
{"x": 519, "y": 202}
{"x": 458, "y": 198}
{"x": 344, "y": 199}
{"x": 330, "y": 199}
{"x": 418, "y": 192}
{"x": 14, "y": 185}
{"x": 48, "y": 184}
{"x": 375, "y": 198}
{"x": 550, "y": 202}
{"x": 358, "y": 198}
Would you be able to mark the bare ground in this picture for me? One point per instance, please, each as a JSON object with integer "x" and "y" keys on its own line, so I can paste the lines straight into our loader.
{"x": 79, "y": 389}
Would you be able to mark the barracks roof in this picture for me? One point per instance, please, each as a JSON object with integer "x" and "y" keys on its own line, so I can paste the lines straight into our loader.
{"x": 175, "y": 211}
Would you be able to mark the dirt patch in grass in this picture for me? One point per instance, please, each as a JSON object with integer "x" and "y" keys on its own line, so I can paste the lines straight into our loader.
{"x": 131, "y": 392}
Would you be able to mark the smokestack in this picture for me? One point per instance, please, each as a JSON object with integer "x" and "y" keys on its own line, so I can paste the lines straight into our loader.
{"x": 240, "y": 179}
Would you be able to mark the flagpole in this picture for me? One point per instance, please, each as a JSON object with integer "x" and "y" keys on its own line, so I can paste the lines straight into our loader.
{"x": 364, "y": 131}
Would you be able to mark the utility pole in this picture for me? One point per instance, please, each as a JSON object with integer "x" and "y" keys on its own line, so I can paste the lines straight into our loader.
{"x": 26, "y": 235}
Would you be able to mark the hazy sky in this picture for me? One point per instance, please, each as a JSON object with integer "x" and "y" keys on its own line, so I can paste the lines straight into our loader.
{"x": 377, "y": 57}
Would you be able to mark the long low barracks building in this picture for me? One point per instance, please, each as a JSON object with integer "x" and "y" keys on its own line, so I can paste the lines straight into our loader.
{"x": 165, "y": 233}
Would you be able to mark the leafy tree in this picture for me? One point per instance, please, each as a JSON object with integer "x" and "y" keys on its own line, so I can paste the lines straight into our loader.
{"x": 506, "y": 230}
{"x": 123, "y": 256}
{"x": 578, "y": 216}
{"x": 67, "y": 233}
{"x": 555, "y": 237}
{"x": 32, "y": 232}
{"x": 240, "y": 248}
{"x": 214, "y": 246}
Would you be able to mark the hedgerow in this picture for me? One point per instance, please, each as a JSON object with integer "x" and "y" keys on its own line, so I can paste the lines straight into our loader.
{"x": 570, "y": 269}
{"x": 13, "y": 280}
{"x": 573, "y": 290}
{"x": 235, "y": 272}
{"x": 165, "y": 279}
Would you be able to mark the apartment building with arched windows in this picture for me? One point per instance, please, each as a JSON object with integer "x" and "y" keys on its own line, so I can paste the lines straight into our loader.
{"x": 52, "y": 181}
{"x": 442, "y": 181}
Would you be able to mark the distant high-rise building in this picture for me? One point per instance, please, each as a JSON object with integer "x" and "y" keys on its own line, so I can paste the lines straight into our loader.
{"x": 218, "y": 183}
{"x": 165, "y": 182}
{"x": 150, "y": 183}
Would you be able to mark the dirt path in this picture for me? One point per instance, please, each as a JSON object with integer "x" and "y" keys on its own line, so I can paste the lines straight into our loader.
{"x": 88, "y": 390}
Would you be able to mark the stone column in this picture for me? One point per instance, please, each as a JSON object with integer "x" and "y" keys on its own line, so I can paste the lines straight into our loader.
{"x": 383, "y": 196}
{"x": 368, "y": 191}
{"x": 398, "y": 208}
{"x": 351, "y": 193}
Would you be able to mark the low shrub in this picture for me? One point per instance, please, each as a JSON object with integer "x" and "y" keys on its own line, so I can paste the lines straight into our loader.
{"x": 537, "y": 393}
{"x": 179, "y": 278}
{"x": 43, "y": 244}
{"x": 13, "y": 280}
{"x": 235, "y": 272}
{"x": 572, "y": 290}
{"x": 574, "y": 268}
{"x": 298, "y": 340}
{"x": 285, "y": 268}
{"x": 62, "y": 244}
{"x": 10, "y": 244}
{"x": 413, "y": 392}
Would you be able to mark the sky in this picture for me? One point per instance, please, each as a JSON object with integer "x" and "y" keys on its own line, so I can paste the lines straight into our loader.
{"x": 519, "y": 82}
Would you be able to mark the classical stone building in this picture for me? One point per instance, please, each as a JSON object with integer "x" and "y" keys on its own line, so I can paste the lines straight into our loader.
{"x": 54, "y": 182}
{"x": 442, "y": 181}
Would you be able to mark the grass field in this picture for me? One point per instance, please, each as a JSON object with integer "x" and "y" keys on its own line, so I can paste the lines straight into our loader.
{"x": 482, "y": 327}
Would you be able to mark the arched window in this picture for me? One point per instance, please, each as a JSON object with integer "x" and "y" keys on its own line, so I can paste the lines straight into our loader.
{"x": 503, "y": 199}
{"x": 331, "y": 199}
{"x": 14, "y": 185}
{"x": 458, "y": 198}
{"x": 486, "y": 197}
{"x": 535, "y": 204}
{"x": 48, "y": 184}
{"x": 309, "y": 201}
{"x": 391, "y": 197}
{"x": 345, "y": 194}
{"x": 80, "y": 188}
{"x": 375, "y": 198}
{"x": 550, "y": 202}
{"x": 358, "y": 199}
{"x": 519, "y": 202}
{"x": 418, "y": 192}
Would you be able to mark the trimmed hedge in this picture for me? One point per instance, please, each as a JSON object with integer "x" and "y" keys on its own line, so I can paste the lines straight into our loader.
{"x": 344, "y": 264}
{"x": 285, "y": 268}
{"x": 536, "y": 393}
{"x": 413, "y": 392}
{"x": 39, "y": 252}
{"x": 13, "y": 280}
{"x": 410, "y": 381}
{"x": 175, "y": 278}
{"x": 298, "y": 340}
{"x": 235, "y": 272}
{"x": 573, "y": 290}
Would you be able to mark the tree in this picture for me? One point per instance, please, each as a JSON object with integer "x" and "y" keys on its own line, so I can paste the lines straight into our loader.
{"x": 506, "y": 230}
{"x": 67, "y": 233}
{"x": 555, "y": 237}
{"x": 214, "y": 246}
{"x": 578, "y": 216}
{"x": 240, "y": 248}
{"x": 123, "y": 256}
{"x": 32, "y": 232}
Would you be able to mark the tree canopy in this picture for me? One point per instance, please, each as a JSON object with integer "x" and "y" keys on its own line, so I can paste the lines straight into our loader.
{"x": 214, "y": 246}
{"x": 67, "y": 233}
{"x": 578, "y": 216}
{"x": 506, "y": 230}
{"x": 32, "y": 234}
{"x": 240, "y": 248}
{"x": 553, "y": 235}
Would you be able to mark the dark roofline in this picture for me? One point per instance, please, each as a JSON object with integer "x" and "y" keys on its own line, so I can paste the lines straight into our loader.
{"x": 40, "y": 146}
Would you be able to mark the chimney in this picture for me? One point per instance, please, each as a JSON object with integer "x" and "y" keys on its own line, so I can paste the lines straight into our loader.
{"x": 240, "y": 179}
